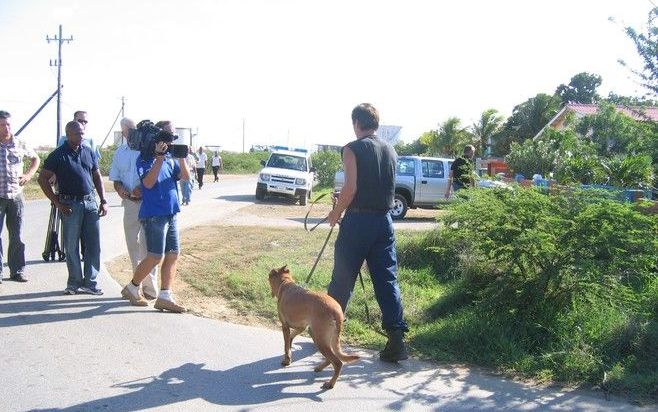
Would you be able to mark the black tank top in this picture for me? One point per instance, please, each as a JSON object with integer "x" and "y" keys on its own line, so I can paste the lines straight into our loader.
{"x": 375, "y": 174}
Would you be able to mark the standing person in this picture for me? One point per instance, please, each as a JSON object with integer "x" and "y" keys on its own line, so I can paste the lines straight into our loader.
{"x": 158, "y": 172}
{"x": 77, "y": 173}
{"x": 80, "y": 116}
{"x": 12, "y": 179}
{"x": 366, "y": 232}
{"x": 187, "y": 184}
{"x": 461, "y": 171}
{"x": 123, "y": 173}
{"x": 216, "y": 165}
{"x": 202, "y": 158}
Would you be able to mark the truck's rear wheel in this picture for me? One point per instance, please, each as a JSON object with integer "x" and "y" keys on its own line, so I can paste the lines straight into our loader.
{"x": 400, "y": 207}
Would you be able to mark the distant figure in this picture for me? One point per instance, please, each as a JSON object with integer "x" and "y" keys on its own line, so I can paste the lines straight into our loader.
{"x": 201, "y": 161}
{"x": 187, "y": 184}
{"x": 81, "y": 117}
{"x": 12, "y": 179}
{"x": 216, "y": 165}
{"x": 123, "y": 172}
{"x": 461, "y": 171}
{"x": 76, "y": 169}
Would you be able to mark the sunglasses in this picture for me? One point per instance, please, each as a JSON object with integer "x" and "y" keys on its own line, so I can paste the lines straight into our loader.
{"x": 83, "y": 121}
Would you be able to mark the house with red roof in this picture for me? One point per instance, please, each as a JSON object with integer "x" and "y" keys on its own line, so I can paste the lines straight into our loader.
{"x": 647, "y": 113}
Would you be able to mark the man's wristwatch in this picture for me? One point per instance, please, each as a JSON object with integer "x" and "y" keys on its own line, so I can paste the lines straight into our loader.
{"x": 103, "y": 202}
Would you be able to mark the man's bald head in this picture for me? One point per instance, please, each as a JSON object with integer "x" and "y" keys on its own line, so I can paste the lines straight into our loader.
{"x": 74, "y": 133}
{"x": 72, "y": 127}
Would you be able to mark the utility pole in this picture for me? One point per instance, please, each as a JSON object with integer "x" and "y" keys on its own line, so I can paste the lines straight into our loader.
{"x": 123, "y": 106}
{"x": 60, "y": 40}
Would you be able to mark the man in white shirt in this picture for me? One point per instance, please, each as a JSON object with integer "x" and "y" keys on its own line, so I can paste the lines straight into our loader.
{"x": 201, "y": 161}
{"x": 123, "y": 172}
{"x": 216, "y": 165}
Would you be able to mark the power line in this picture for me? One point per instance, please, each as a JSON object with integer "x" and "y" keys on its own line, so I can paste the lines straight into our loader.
{"x": 59, "y": 38}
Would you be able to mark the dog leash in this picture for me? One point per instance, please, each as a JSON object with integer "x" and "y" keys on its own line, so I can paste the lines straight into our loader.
{"x": 308, "y": 278}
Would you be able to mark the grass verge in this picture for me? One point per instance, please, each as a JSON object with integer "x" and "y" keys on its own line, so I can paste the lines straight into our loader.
{"x": 223, "y": 274}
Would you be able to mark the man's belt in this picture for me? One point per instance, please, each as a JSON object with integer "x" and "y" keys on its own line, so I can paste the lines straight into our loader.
{"x": 367, "y": 210}
{"x": 77, "y": 198}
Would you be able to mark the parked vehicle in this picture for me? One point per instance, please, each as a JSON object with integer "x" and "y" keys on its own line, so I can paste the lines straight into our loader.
{"x": 287, "y": 173}
{"x": 420, "y": 182}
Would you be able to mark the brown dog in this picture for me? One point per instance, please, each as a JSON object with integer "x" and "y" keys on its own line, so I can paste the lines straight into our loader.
{"x": 299, "y": 308}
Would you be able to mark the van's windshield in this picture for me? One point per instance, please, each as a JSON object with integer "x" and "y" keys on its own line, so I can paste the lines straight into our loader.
{"x": 284, "y": 161}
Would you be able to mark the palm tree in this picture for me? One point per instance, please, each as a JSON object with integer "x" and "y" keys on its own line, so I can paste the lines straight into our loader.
{"x": 489, "y": 124}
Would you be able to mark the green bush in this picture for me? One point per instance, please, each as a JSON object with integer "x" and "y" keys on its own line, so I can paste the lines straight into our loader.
{"x": 531, "y": 157}
{"x": 242, "y": 163}
{"x": 564, "y": 287}
{"x": 326, "y": 163}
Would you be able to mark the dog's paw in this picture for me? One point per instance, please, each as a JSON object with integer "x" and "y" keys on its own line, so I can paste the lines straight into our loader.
{"x": 327, "y": 385}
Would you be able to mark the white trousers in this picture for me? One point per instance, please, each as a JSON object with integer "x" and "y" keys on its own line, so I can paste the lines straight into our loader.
{"x": 136, "y": 243}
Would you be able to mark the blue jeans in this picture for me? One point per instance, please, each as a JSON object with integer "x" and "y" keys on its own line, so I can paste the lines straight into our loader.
{"x": 370, "y": 237}
{"x": 186, "y": 190}
{"x": 82, "y": 223}
{"x": 161, "y": 234}
{"x": 12, "y": 210}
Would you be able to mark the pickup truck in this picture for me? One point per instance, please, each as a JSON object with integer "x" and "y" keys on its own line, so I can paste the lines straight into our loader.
{"x": 420, "y": 182}
{"x": 287, "y": 173}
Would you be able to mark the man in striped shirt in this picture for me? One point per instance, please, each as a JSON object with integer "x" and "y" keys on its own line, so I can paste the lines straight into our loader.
{"x": 12, "y": 179}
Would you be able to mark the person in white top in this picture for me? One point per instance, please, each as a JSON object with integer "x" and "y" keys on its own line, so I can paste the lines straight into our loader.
{"x": 201, "y": 161}
{"x": 216, "y": 165}
{"x": 186, "y": 185}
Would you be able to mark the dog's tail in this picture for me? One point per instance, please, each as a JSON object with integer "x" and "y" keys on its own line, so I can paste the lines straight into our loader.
{"x": 335, "y": 345}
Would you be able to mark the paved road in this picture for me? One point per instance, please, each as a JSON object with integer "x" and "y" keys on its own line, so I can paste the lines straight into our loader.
{"x": 79, "y": 353}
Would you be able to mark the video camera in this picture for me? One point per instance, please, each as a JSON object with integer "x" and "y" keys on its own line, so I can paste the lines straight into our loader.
{"x": 147, "y": 134}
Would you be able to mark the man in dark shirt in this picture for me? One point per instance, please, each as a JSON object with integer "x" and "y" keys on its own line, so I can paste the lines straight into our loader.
{"x": 461, "y": 171}
{"x": 76, "y": 170}
{"x": 366, "y": 232}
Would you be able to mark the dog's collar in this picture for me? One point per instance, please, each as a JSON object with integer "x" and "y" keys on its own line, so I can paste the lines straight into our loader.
{"x": 278, "y": 291}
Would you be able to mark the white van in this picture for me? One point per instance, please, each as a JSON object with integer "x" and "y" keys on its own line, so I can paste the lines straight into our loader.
{"x": 287, "y": 173}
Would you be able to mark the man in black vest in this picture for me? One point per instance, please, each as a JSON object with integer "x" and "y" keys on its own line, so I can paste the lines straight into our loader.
{"x": 366, "y": 231}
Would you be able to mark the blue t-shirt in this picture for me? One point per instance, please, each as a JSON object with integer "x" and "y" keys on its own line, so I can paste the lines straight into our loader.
{"x": 73, "y": 169}
{"x": 162, "y": 198}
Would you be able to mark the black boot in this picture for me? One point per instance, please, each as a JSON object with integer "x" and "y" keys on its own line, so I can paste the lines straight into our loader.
{"x": 395, "y": 349}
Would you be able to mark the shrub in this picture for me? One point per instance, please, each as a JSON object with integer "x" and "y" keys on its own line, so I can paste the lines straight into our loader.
{"x": 327, "y": 163}
{"x": 572, "y": 279}
{"x": 243, "y": 163}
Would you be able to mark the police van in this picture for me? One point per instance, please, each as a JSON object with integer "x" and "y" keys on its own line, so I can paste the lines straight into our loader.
{"x": 287, "y": 173}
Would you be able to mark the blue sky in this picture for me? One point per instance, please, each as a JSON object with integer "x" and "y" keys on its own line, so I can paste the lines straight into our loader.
{"x": 294, "y": 69}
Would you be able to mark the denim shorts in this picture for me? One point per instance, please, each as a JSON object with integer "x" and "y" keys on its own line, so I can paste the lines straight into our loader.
{"x": 161, "y": 235}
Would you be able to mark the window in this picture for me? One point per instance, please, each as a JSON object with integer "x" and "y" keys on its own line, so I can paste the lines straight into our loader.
{"x": 405, "y": 167}
{"x": 432, "y": 169}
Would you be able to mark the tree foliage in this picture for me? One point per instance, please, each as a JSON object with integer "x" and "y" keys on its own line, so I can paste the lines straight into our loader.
{"x": 485, "y": 129}
{"x": 527, "y": 119}
{"x": 581, "y": 89}
{"x": 646, "y": 44}
{"x": 449, "y": 139}
{"x": 532, "y": 156}
{"x": 414, "y": 148}
{"x": 614, "y": 132}
{"x": 326, "y": 163}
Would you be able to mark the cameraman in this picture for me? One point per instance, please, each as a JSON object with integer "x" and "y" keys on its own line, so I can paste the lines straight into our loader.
{"x": 158, "y": 172}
